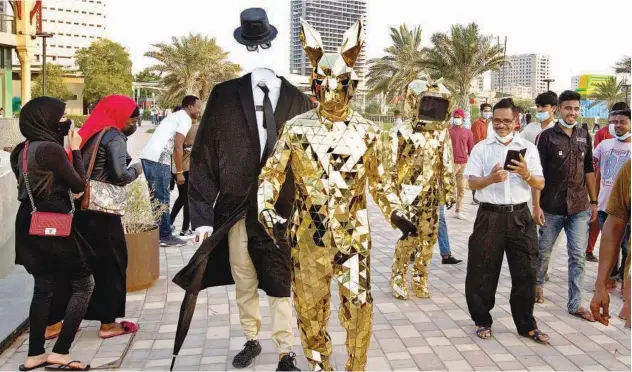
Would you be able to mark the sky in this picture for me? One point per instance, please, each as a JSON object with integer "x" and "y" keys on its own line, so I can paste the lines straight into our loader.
{"x": 580, "y": 37}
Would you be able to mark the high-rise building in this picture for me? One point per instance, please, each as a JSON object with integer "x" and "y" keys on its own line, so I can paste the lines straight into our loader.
{"x": 331, "y": 18}
{"x": 74, "y": 24}
{"x": 575, "y": 82}
{"x": 524, "y": 70}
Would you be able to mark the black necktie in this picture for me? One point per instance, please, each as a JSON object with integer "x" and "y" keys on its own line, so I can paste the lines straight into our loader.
{"x": 268, "y": 121}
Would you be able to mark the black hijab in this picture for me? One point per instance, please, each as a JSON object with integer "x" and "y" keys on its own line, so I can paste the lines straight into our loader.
{"x": 39, "y": 120}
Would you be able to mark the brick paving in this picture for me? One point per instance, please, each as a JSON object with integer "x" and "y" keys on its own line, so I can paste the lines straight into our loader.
{"x": 418, "y": 334}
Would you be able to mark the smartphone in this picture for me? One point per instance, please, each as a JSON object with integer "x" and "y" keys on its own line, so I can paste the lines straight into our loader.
{"x": 513, "y": 155}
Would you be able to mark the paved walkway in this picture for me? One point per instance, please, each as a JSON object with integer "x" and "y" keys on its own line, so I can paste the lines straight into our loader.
{"x": 429, "y": 334}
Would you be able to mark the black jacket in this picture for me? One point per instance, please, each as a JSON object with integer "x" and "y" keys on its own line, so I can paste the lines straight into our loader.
{"x": 225, "y": 166}
{"x": 112, "y": 159}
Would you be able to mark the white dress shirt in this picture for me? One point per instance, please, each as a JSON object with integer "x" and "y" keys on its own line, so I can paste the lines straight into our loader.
{"x": 531, "y": 131}
{"x": 490, "y": 152}
{"x": 273, "y": 82}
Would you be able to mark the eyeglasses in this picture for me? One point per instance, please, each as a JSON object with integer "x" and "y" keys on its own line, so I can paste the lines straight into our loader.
{"x": 504, "y": 122}
{"x": 254, "y": 48}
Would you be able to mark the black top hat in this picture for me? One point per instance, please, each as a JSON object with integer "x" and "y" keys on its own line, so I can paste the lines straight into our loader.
{"x": 255, "y": 28}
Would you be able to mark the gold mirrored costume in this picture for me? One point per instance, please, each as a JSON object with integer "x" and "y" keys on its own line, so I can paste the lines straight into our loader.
{"x": 421, "y": 159}
{"x": 332, "y": 152}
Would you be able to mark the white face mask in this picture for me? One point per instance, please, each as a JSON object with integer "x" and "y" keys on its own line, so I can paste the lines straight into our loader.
{"x": 611, "y": 130}
{"x": 565, "y": 125}
{"x": 457, "y": 121}
{"x": 623, "y": 137}
{"x": 487, "y": 115}
{"x": 504, "y": 139}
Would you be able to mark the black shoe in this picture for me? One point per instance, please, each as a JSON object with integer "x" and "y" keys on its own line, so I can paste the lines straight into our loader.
{"x": 186, "y": 232}
{"x": 245, "y": 357}
{"x": 591, "y": 257}
{"x": 172, "y": 242}
{"x": 450, "y": 261}
{"x": 287, "y": 363}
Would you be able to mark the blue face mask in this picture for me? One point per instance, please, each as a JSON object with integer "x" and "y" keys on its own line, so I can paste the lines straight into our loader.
{"x": 542, "y": 116}
{"x": 487, "y": 115}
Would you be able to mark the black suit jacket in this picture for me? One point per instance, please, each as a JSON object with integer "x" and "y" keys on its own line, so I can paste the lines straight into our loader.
{"x": 225, "y": 166}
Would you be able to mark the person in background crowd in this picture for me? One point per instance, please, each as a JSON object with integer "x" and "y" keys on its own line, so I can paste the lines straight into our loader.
{"x": 595, "y": 128}
{"x": 566, "y": 157}
{"x": 503, "y": 226}
{"x": 610, "y": 156}
{"x": 397, "y": 118}
{"x": 467, "y": 122}
{"x": 462, "y": 144}
{"x": 546, "y": 104}
{"x": 153, "y": 113}
{"x": 183, "y": 195}
{"x": 479, "y": 131}
{"x": 479, "y": 127}
{"x": 602, "y": 134}
{"x": 527, "y": 119}
{"x": 53, "y": 261}
{"x": 1, "y": 112}
{"x": 444, "y": 241}
{"x": 168, "y": 140}
{"x": 614, "y": 230}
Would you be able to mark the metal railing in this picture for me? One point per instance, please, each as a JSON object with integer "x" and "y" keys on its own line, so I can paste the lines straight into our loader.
{"x": 7, "y": 23}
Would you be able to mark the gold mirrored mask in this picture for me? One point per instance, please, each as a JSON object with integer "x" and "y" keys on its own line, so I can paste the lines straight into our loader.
{"x": 333, "y": 80}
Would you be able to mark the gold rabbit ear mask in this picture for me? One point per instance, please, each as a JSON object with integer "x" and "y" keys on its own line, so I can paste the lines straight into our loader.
{"x": 333, "y": 80}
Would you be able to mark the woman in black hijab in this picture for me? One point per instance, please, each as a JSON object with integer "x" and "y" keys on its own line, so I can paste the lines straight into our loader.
{"x": 51, "y": 260}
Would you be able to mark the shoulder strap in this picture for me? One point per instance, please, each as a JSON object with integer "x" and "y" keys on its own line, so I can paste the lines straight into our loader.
{"x": 25, "y": 168}
{"x": 95, "y": 151}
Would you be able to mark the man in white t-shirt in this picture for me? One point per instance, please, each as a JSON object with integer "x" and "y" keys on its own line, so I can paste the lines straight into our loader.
{"x": 610, "y": 155}
{"x": 168, "y": 141}
{"x": 546, "y": 104}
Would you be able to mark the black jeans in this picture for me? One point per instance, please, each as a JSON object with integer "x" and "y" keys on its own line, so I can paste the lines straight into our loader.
{"x": 42, "y": 296}
{"x": 496, "y": 233}
{"x": 182, "y": 201}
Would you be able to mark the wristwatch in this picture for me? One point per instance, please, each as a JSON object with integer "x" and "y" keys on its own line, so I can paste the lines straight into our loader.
{"x": 594, "y": 202}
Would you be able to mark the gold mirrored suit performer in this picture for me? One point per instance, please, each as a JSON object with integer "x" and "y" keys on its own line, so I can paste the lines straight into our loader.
{"x": 333, "y": 152}
{"x": 421, "y": 159}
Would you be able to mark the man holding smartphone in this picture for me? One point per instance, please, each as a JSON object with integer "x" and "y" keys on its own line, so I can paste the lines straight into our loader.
{"x": 503, "y": 224}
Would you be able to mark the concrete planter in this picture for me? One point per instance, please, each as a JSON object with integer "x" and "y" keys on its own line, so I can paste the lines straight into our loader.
{"x": 143, "y": 265}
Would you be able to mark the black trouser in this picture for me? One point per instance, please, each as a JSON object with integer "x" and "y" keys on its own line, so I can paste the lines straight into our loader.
{"x": 182, "y": 201}
{"x": 495, "y": 233}
{"x": 42, "y": 296}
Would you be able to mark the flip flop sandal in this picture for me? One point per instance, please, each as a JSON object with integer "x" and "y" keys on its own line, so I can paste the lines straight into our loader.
{"x": 539, "y": 295}
{"x": 480, "y": 332}
{"x": 585, "y": 315}
{"x": 127, "y": 328}
{"x": 68, "y": 367}
{"x": 23, "y": 368}
{"x": 537, "y": 336}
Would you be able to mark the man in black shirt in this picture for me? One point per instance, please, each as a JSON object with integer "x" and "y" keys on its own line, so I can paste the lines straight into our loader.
{"x": 569, "y": 198}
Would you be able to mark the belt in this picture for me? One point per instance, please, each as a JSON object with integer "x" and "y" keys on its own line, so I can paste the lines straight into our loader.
{"x": 503, "y": 208}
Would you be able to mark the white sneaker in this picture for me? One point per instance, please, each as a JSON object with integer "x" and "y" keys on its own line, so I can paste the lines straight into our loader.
{"x": 460, "y": 216}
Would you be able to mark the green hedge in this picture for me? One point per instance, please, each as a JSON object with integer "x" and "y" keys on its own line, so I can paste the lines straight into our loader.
{"x": 78, "y": 119}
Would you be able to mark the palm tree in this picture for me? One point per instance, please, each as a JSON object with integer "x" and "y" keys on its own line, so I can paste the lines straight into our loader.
{"x": 391, "y": 74}
{"x": 191, "y": 64}
{"x": 460, "y": 56}
{"x": 623, "y": 65}
{"x": 608, "y": 90}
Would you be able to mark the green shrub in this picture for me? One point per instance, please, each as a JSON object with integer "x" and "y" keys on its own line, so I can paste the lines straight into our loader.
{"x": 152, "y": 130}
{"x": 78, "y": 119}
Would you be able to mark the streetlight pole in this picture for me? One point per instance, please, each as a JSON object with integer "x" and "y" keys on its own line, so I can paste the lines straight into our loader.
{"x": 548, "y": 83}
{"x": 44, "y": 36}
{"x": 627, "y": 92}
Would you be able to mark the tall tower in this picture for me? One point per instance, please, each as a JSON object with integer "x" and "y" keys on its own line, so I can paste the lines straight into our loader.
{"x": 75, "y": 24}
{"x": 331, "y": 18}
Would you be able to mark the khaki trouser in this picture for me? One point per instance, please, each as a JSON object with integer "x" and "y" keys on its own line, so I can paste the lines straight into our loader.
{"x": 246, "y": 282}
{"x": 460, "y": 185}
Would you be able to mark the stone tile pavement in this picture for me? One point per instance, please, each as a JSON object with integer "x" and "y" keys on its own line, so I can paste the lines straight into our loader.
{"x": 418, "y": 334}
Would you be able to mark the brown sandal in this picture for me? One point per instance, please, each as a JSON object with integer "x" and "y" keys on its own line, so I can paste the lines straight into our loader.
{"x": 539, "y": 295}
